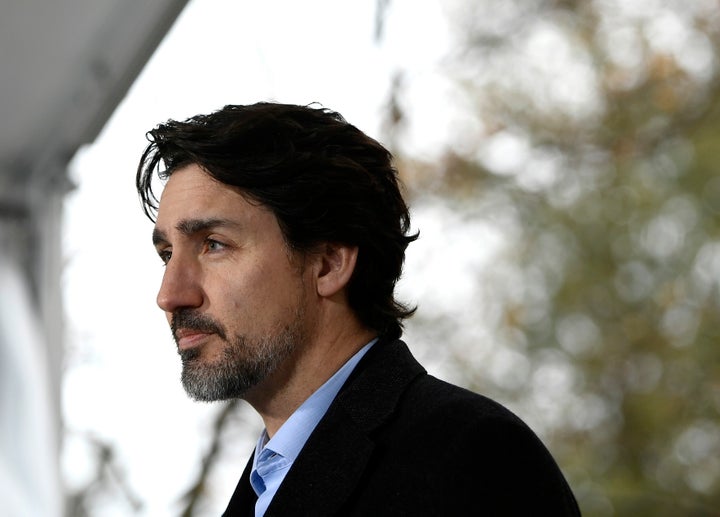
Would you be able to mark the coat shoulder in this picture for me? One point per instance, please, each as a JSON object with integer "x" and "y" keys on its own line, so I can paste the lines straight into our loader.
{"x": 468, "y": 450}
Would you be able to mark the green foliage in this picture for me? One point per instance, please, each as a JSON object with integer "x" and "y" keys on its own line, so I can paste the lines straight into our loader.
{"x": 597, "y": 159}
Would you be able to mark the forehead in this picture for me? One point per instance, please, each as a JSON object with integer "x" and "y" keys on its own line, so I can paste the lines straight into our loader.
{"x": 193, "y": 183}
{"x": 191, "y": 193}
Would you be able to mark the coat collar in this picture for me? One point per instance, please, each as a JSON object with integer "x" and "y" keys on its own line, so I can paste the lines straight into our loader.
{"x": 337, "y": 452}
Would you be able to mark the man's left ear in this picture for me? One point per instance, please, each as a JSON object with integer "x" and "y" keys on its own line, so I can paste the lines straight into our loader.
{"x": 337, "y": 263}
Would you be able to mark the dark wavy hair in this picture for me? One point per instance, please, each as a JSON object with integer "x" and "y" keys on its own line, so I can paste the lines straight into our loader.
{"x": 324, "y": 179}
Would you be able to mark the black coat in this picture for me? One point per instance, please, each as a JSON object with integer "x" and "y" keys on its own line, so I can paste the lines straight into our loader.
{"x": 397, "y": 441}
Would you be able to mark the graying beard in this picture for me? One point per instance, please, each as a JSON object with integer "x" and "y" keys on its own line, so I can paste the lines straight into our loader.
{"x": 244, "y": 365}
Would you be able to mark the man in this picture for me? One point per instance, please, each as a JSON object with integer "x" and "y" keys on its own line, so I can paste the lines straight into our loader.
{"x": 283, "y": 233}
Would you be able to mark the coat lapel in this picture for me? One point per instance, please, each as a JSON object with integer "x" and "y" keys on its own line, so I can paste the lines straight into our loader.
{"x": 337, "y": 452}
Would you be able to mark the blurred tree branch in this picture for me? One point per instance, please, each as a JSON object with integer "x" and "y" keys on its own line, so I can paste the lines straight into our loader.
{"x": 194, "y": 495}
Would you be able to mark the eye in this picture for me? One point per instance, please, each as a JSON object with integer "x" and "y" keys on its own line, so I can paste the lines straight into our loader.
{"x": 213, "y": 245}
{"x": 165, "y": 256}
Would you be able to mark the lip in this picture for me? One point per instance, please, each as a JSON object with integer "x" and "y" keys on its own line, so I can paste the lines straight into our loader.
{"x": 188, "y": 338}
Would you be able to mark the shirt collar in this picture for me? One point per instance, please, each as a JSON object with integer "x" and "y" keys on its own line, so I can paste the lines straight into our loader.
{"x": 292, "y": 435}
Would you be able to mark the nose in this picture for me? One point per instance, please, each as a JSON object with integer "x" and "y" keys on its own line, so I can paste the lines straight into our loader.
{"x": 180, "y": 287}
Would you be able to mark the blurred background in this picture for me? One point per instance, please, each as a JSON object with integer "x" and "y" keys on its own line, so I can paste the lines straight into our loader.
{"x": 560, "y": 159}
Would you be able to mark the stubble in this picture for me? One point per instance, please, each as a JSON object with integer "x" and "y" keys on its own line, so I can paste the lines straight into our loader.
{"x": 244, "y": 363}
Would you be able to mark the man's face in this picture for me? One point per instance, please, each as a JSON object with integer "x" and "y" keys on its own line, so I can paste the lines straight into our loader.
{"x": 232, "y": 292}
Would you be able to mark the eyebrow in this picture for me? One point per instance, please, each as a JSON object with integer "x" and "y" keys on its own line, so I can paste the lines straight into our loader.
{"x": 189, "y": 227}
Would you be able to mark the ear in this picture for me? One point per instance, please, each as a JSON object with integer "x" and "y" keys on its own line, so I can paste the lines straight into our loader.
{"x": 337, "y": 263}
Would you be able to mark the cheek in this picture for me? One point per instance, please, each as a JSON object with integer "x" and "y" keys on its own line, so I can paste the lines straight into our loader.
{"x": 243, "y": 290}
{"x": 257, "y": 290}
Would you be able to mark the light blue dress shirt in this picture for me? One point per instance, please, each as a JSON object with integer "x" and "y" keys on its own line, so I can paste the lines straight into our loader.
{"x": 274, "y": 457}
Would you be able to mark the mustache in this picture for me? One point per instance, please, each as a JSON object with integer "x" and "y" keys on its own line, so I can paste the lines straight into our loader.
{"x": 192, "y": 320}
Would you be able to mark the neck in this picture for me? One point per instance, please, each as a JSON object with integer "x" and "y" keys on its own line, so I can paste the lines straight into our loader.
{"x": 278, "y": 396}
